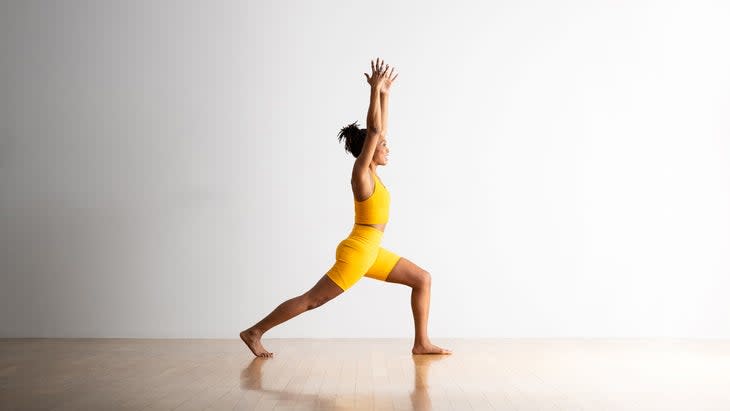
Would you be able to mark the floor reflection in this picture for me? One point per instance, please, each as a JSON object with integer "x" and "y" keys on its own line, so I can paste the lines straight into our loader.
{"x": 252, "y": 379}
{"x": 420, "y": 399}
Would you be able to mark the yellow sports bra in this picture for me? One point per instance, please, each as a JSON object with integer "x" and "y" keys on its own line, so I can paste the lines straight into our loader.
{"x": 373, "y": 210}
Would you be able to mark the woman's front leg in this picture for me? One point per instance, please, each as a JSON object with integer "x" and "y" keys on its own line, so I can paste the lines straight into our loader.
{"x": 407, "y": 273}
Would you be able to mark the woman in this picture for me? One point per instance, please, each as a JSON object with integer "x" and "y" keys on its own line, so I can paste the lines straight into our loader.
{"x": 360, "y": 253}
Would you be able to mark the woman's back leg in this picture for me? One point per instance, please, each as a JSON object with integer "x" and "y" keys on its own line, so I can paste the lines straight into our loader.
{"x": 319, "y": 294}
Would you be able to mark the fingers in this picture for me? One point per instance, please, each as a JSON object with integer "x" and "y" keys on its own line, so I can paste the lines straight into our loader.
{"x": 377, "y": 69}
{"x": 389, "y": 74}
{"x": 377, "y": 66}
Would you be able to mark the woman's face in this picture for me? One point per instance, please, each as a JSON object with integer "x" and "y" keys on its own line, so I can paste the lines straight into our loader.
{"x": 381, "y": 152}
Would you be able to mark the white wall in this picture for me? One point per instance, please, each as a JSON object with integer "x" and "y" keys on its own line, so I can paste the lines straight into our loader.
{"x": 171, "y": 169}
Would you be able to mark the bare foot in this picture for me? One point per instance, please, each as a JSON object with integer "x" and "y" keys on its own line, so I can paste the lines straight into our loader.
{"x": 429, "y": 348}
{"x": 253, "y": 341}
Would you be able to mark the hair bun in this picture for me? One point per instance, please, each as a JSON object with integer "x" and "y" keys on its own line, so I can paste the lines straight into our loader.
{"x": 354, "y": 137}
{"x": 349, "y": 131}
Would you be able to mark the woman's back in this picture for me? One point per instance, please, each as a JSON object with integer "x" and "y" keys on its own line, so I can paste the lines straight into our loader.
{"x": 374, "y": 210}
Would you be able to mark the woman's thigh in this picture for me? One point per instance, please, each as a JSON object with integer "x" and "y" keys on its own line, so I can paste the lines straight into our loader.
{"x": 408, "y": 273}
{"x": 325, "y": 290}
{"x": 384, "y": 264}
{"x": 354, "y": 256}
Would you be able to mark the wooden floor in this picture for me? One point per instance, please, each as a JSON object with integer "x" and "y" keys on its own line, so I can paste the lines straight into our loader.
{"x": 342, "y": 374}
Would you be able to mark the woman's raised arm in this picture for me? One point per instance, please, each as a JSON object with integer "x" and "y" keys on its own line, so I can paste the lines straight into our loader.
{"x": 384, "y": 95}
{"x": 376, "y": 80}
{"x": 374, "y": 119}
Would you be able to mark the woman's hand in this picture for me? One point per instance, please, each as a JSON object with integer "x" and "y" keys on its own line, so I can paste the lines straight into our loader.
{"x": 377, "y": 78}
{"x": 387, "y": 81}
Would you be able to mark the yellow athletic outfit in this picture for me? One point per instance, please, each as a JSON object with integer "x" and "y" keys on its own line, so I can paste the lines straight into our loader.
{"x": 360, "y": 253}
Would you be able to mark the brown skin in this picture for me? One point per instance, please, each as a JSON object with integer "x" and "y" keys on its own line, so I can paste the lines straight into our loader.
{"x": 375, "y": 153}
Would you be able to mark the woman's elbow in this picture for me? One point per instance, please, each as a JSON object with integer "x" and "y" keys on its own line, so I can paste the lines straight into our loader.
{"x": 376, "y": 130}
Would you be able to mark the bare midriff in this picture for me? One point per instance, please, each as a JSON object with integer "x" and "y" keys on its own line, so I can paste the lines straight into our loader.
{"x": 379, "y": 227}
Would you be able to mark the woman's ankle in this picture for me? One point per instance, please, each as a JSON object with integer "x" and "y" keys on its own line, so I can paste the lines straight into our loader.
{"x": 255, "y": 332}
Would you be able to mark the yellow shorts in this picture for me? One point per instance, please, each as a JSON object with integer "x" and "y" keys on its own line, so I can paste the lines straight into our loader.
{"x": 361, "y": 254}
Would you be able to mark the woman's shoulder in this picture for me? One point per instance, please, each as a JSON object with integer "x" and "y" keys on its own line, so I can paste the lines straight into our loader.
{"x": 362, "y": 174}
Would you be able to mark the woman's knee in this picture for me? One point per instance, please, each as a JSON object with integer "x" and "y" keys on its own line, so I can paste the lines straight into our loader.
{"x": 407, "y": 273}
{"x": 315, "y": 300}
{"x": 424, "y": 279}
{"x": 325, "y": 290}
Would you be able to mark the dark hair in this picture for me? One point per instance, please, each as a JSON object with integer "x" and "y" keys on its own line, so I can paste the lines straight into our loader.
{"x": 354, "y": 138}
